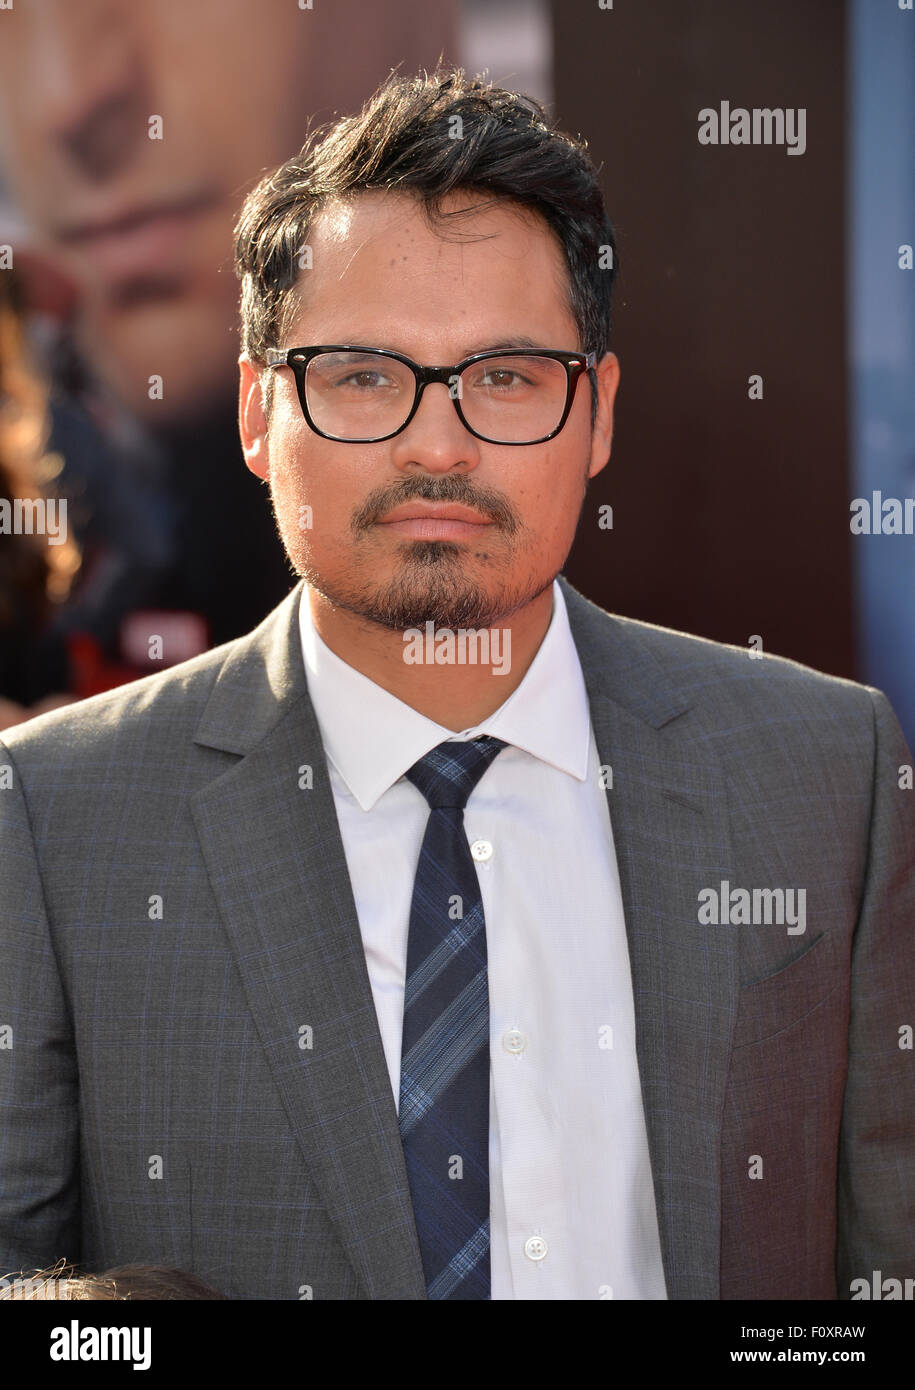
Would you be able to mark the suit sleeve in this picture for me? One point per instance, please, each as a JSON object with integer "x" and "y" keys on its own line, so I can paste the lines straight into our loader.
{"x": 39, "y": 1090}
{"x": 876, "y": 1195}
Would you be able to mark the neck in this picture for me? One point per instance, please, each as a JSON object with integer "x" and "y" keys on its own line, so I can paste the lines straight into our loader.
{"x": 454, "y": 686}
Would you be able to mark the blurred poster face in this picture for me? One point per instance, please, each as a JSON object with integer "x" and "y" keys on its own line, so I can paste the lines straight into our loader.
{"x": 129, "y": 133}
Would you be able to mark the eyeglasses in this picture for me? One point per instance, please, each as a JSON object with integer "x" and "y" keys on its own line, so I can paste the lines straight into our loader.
{"x": 359, "y": 395}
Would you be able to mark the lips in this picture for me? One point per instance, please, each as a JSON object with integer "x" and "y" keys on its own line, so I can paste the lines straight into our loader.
{"x": 419, "y": 511}
{"x": 139, "y": 240}
{"x": 427, "y": 522}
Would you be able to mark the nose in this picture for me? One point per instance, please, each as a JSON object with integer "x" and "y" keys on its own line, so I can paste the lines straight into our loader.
{"x": 90, "y": 83}
{"x": 435, "y": 438}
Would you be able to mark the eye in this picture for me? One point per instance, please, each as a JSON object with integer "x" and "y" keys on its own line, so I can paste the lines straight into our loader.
{"x": 365, "y": 379}
{"x": 502, "y": 378}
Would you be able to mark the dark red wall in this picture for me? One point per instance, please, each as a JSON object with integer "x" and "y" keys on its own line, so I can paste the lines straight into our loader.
{"x": 730, "y": 516}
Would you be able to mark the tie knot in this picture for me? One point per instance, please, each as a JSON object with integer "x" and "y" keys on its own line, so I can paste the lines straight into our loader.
{"x": 448, "y": 774}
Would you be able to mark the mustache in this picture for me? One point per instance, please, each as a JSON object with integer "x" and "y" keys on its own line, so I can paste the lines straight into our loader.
{"x": 450, "y": 488}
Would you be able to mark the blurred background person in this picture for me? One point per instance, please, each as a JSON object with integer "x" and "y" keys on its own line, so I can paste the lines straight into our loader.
{"x": 128, "y": 136}
{"x": 35, "y": 575}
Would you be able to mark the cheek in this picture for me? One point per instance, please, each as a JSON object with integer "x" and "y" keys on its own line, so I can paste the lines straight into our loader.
{"x": 267, "y": 64}
{"x": 550, "y": 497}
{"x": 310, "y": 481}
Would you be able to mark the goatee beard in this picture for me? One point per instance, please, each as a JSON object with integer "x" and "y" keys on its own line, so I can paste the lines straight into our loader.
{"x": 432, "y": 589}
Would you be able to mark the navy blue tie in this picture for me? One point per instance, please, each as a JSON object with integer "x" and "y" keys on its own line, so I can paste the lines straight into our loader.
{"x": 444, "y": 1069}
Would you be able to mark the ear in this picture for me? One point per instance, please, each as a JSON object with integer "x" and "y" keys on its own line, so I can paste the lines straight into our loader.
{"x": 252, "y": 422}
{"x": 608, "y": 379}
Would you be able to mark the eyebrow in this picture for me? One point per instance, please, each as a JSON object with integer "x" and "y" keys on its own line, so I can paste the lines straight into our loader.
{"x": 520, "y": 341}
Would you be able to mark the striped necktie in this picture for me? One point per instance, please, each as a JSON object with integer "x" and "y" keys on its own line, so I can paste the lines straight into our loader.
{"x": 444, "y": 1070}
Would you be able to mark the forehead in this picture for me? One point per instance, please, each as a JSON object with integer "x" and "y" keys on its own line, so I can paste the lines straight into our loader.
{"x": 465, "y": 215}
{"x": 377, "y": 250}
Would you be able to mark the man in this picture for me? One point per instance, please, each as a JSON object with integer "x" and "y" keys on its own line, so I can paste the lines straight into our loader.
{"x": 446, "y": 936}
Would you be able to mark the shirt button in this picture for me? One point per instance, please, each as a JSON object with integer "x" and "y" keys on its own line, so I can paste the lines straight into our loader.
{"x": 514, "y": 1040}
{"x": 481, "y": 850}
{"x": 535, "y": 1247}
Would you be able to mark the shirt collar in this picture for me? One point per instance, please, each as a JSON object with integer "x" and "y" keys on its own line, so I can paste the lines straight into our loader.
{"x": 373, "y": 738}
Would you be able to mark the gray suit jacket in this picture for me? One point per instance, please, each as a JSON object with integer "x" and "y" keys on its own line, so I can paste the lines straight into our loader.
{"x": 175, "y": 908}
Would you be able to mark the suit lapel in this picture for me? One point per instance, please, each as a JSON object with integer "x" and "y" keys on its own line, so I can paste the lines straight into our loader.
{"x": 277, "y": 867}
{"x": 671, "y": 838}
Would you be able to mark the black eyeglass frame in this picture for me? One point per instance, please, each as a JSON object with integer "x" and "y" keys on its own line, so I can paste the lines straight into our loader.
{"x": 298, "y": 358}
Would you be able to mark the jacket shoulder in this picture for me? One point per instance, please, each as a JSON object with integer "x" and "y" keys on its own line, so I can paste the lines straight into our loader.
{"x": 688, "y": 652}
{"x": 177, "y": 694}
{"x": 699, "y": 671}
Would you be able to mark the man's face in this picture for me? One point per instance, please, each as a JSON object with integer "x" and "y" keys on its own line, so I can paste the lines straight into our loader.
{"x": 142, "y": 226}
{"x": 382, "y": 277}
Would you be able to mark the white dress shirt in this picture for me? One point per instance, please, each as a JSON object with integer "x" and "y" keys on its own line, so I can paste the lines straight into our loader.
{"x": 572, "y": 1203}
